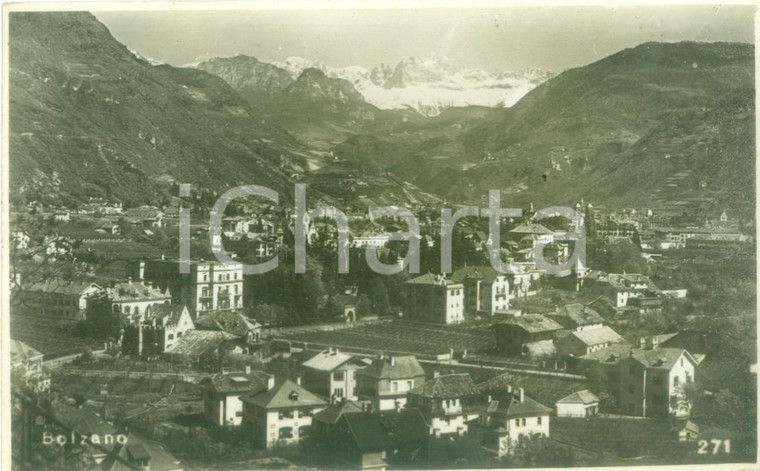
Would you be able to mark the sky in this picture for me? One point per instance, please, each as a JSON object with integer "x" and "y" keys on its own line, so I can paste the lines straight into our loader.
{"x": 494, "y": 39}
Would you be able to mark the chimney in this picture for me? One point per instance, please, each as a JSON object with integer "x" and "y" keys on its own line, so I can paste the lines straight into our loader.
{"x": 298, "y": 380}
{"x": 247, "y": 369}
{"x": 522, "y": 394}
{"x": 509, "y": 389}
{"x": 393, "y": 361}
{"x": 642, "y": 343}
{"x": 337, "y": 351}
{"x": 398, "y": 406}
{"x": 490, "y": 399}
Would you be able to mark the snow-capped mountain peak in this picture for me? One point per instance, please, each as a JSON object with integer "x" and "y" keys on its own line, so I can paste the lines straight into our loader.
{"x": 429, "y": 84}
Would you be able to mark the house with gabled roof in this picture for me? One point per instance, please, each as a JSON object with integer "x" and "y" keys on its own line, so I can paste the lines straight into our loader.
{"x": 515, "y": 331}
{"x": 27, "y": 363}
{"x": 387, "y": 380}
{"x": 162, "y": 327}
{"x": 579, "y": 343}
{"x": 505, "y": 418}
{"x": 446, "y": 401}
{"x": 581, "y": 403}
{"x": 576, "y": 316}
{"x": 381, "y": 440}
{"x": 281, "y": 414}
{"x": 232, "y": 322}
{"x": 323, "y": 423}
{"x": 331, "y": 374}
{"x": 221, "y": 394}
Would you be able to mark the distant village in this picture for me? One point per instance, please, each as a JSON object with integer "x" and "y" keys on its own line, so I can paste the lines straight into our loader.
{"x": 475, "y": 359}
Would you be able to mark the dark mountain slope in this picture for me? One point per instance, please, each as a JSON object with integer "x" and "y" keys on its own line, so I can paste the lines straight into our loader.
{"x": 87, "y": 112}
{"x": 658, "y": 124}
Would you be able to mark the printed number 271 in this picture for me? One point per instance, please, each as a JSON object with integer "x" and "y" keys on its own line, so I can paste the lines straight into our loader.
{"x": 718, "y": 446}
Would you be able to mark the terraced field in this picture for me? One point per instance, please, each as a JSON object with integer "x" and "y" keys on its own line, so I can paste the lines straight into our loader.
{"x": 409, "y": 338}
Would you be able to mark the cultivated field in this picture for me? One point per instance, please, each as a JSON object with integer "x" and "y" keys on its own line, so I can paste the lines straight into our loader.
{"x": 421, "y": 339}
{"x": 50, "y": 336}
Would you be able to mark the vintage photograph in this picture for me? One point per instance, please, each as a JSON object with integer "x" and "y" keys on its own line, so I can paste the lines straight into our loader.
{"x": 378, "y": 236}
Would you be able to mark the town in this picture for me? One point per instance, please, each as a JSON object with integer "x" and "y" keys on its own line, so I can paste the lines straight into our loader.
{"x": 476, "y": 367}
{"x": 379, "y": 237}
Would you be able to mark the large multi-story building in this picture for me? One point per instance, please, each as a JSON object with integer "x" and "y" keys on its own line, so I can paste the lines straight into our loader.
{"x": 486, "y": 290}
{"x": 132, "y": 299}
{"x": 434, "y": 298}
{"x": 208, "y": 286}
{"x": 57, "y": 298}
{"x": 647, "y": 379}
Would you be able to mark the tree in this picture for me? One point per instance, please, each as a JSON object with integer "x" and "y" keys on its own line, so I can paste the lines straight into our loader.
{"x": 538, "y": 451}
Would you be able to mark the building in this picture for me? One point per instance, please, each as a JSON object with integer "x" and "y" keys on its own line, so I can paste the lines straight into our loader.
{"x": 144, "y": 216}
{"x": 387, "y": 380}
{"x": 515, "y": 332}
{"x": 331, "y": 373}
{"x": 504, "y": 419}
{"x": 622, "y": 287}
{"x": 26, "y": 366}
{"x": 281, "y": 414}
{"x": 647, "y": 379}
{"x": 209, "y": 285}
{"x": 576, "y": 316}
{"x": 485, "y": 289}
{"x": 434, "y": 298}
{"x": 58, "y": 298}
{"x": 528, "y": 235}
{"x": 582, "y": 403}
{"x": 221, "y": 394}
{"x": 579, "y": 343}
{"x": 379, "y": 441}
{"x": 324, "y": 422}
{"x": 233, "y": 322}
{"x": 163, "y": 326}
{"x": 132, "y": 300}
{"x": 446, "y": 401}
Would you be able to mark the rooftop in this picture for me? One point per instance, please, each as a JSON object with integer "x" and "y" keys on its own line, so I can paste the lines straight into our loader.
{"x": 598, "y": 336}
{"x": 284, "y": 394}
{"x": 327, "y": 360}
{"x": 580, "y": 397}
{"x": 395, "y": 367}
{"x": 531, "y": 323}
{"x": 452, "y": 386}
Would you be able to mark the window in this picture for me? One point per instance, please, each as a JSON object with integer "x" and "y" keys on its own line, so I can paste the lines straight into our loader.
{"x": 517, "y": 422}
{"x": 676, "y": 380}
{"x": 286, "y": 432}
{"x": 338, "y": 376}
{"x": 524, "y": 421}
{"x": 394, "y": 386}
{"x": 285, "y": 414}
{"x": 539, "y": 420}
{"x": 410, "y": 384}
{"x": 338, "y": 392}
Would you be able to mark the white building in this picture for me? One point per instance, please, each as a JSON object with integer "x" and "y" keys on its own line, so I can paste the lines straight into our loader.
{"x": 282, "y": 414}
{"x": 221, "y": 394}
{"x": 578, "y": 404}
